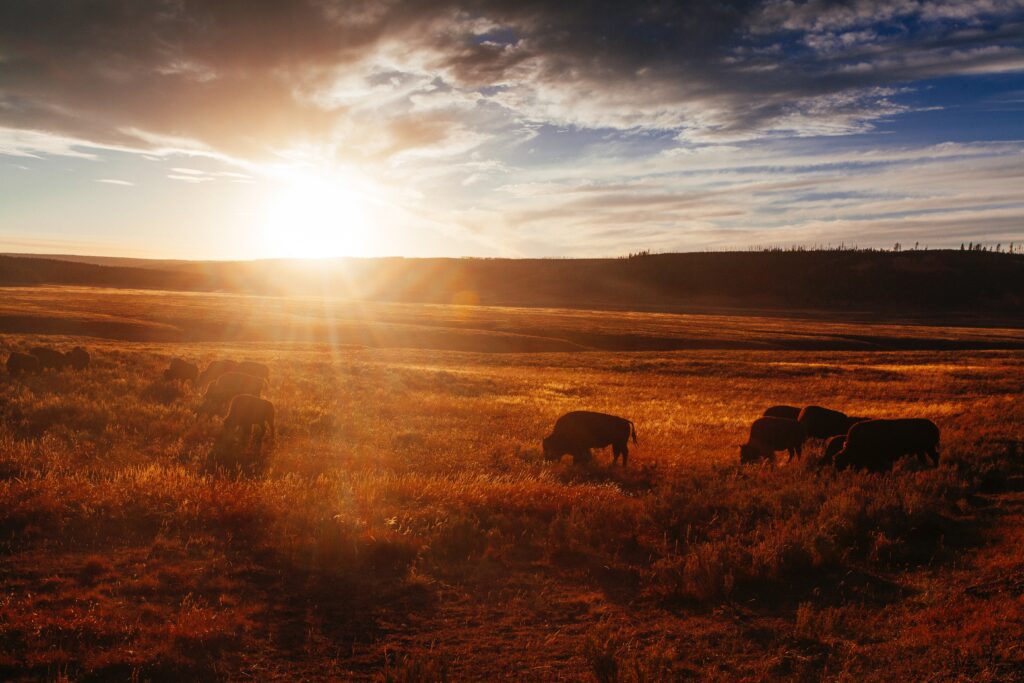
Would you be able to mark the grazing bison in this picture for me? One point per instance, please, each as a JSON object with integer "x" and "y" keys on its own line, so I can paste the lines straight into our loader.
{"x": 78, "y": 358}
{"x": 255, "y": 369}
{"x": 577, "y": 432}
{"x": 215, "y": 369}
{"x": 250, "y": 411}
{"x": 770, "y": 434}
{"x": 19, "y": 363}
{"x": 788, "y": 412}
{"x": 181, "y": 370}
{"x": 876, "y": 444}
{"x": 227, "y": 386}
{"x": 49, "y": 358}
{"x": 834, "y": 445}
{"x": 822, "y": 423}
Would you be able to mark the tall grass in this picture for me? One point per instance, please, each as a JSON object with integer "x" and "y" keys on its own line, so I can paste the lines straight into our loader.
{"x": 399, "y": 478}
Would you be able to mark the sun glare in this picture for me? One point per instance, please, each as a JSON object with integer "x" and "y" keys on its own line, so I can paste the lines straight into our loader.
{"x": 317, "y": 217}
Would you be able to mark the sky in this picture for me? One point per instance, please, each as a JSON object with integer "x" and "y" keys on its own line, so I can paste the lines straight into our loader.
{"x": 237, "y": 129}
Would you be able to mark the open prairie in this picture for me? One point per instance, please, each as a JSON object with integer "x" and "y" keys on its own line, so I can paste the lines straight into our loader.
{"x": 402, "y": 524}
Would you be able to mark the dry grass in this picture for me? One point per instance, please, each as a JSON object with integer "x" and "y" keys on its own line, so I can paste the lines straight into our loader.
{"x": 135, "y": 315}
{"x": 402, "y": 526}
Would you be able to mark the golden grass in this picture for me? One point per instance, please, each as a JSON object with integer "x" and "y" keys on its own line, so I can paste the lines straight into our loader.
{"x": 139, "y": 315}
{"x": 403, "y": 525}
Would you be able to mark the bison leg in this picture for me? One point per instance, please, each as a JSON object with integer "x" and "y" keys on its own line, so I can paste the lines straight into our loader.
{"x": 620, "y": 449}
{"x": 581, "y": 457}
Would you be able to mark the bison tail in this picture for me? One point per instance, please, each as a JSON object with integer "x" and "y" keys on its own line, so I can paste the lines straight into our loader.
{"x": 632, "y": 432}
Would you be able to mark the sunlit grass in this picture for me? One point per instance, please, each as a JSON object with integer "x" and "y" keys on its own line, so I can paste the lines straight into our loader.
{"x": 407, "y": 487}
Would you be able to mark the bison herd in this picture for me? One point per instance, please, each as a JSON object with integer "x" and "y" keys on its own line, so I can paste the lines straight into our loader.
{"x": 41, "y": 358}
{"x": 233, "y": 385}
{"x": 237, "y": 386}
{"x": 857, "y": 442}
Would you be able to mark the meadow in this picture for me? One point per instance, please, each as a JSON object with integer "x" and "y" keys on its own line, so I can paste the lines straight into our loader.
{"x": 403, "y": 525}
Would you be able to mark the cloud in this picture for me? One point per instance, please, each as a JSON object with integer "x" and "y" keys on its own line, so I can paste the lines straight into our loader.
{"x": 529, "y": 126}
{"x": 114, "y": 181}
{"x": 188, "y": 178}
{"x": 250, "y": 78}
{"x": 731, "y": 198}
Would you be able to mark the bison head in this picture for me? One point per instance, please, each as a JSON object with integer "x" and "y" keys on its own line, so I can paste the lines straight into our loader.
{"x": 750, "y": 453}
{"x": 552, "y": 448}
{"x": 842, "y": 460}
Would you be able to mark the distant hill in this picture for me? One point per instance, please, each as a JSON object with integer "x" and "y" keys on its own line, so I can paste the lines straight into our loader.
{"x": 916, "y": 283}
{"x": 115, "y": 261}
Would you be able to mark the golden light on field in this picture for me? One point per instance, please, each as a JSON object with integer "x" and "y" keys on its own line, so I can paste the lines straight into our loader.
{"x": 317, "y": 216}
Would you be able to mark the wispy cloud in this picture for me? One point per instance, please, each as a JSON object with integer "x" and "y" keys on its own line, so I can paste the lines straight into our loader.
{"x": 114, "y": 181}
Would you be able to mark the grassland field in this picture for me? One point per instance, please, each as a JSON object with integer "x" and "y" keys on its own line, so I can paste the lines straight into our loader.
{"x": 403, "y": 526}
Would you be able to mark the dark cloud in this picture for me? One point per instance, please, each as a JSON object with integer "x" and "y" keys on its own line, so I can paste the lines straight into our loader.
{"x": 249, "y": 76}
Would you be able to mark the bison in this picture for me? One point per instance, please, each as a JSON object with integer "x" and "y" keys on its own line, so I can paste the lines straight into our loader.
{"x": 875, "y": 445}
{"x": 215, "y": 369}
{"x": 19, "y": 363}
{"x": 220, "y": 367}
{"x": 771, "y": 434}
{"x": 181, "y": 370}
{"x": 577, "y": 432}
{"x": 822, "y": 423}
{"x": 78, "y": 358}
{"x": 249, "y": 411}
{"x": 49, "y": 359}
{"x": 788, "y": 412}
{"x": 227, "y": 386}
{"x": 255, "y": 369}
{"x": 834, "y": 445}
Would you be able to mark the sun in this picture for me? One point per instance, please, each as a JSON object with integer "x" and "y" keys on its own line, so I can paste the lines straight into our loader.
{"x": 313, "y": 216}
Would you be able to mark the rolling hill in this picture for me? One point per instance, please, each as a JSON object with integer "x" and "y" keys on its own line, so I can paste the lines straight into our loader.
{"x": 917, "y": 284}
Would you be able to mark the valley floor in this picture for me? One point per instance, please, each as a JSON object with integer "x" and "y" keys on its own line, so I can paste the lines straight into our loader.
{"x": 403, "y": 525}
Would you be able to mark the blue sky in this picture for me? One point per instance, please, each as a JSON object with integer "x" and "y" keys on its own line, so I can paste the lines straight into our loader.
{"x": 491, "y": 128}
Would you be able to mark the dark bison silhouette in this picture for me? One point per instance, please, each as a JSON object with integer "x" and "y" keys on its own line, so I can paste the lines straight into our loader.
{"x": 19, "y": 363}
{"x": 49, "y": 359}
{"x": 248, "y": 411}
{"x": 227, "y": 386}
{"x": 788, "y": 412}
{"x": 78, "y": 358}
{"x": 577, "y": 432}
{"x": 822, "y": 423}
{"x": 876, "y": 444}
{"x": 181, "y": 370}
{"x": 771, "y": 434}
